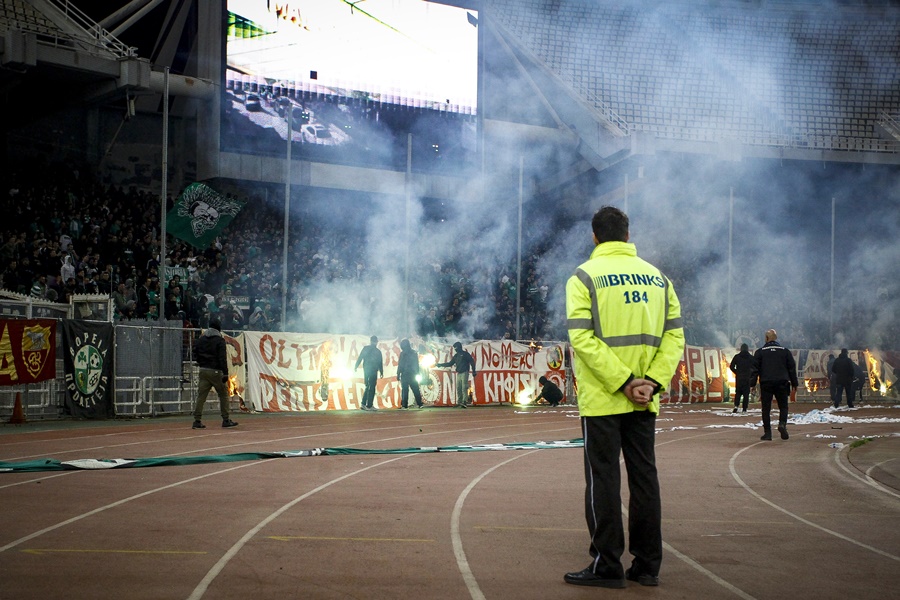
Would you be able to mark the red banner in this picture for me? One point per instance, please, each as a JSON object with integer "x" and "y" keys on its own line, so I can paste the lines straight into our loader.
{"x": 300, "y": 372}
{"x": 27, "y": 350}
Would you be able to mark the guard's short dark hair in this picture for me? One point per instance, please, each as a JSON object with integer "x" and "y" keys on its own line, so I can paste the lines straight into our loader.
{"x": 610, "y": 225}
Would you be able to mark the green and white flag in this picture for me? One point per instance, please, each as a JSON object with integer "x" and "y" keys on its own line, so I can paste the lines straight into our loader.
{"x": 200, "y": 214}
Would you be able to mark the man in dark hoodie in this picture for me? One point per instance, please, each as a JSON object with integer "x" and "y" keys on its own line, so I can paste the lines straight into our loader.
{"x": 407, "y": 371}
{"x": 741, "y": 365}
{"x": 373, "y": 367}
{"x": 209, "y": 352}
{"x": 776, "y": 370}
{"x": 843, "y": 369}
{"x": 549, "y": 392}
{"x": 462, "y": 361}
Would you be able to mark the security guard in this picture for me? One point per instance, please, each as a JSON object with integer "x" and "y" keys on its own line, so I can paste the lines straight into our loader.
{"x": 624, "y": 323}
{"x": 776, "y": 370}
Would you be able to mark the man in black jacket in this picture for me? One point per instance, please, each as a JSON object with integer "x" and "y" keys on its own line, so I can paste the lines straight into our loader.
{"x": 209, "y": 352}
{"x": 407, "y": 373}
{"x": 462, "y": 361}
{"x": 549, "y": 392}
{"x": 775, "y": 369}
{"x": 843, "y": 370}
{"x": 741, "y": 366}
{"x": 373, "y": 367}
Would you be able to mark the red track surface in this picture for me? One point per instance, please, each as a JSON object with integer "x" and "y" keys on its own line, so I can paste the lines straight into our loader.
{"x": 742, "y": 518}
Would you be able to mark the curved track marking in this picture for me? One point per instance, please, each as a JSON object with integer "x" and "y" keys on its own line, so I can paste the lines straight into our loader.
{"x": 222, "y": 562}
{"x": 23, "y": 482}
{"x": 687, "y": 559}
{"x": 461, "y": 561}
{"x": 31, "y": 536}
{"x": 214, "y": 572}
{"x": 252, "y": 442}
{"x": 867, "y": 479}
{"x": 759, "y": 497}
{"x": 693, "y": 563}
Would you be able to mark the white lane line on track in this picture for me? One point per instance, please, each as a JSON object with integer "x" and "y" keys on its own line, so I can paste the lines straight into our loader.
{"x": 687, "y": 559}
{"x": 692, "y": 563}
{"x": 31, "y": 536}
{"x": 223, "y": 562}
{"x": 461, "y": 561}
{"x": 759, "y": 497}
{"x": 868, "y": 480}
{"x": 223, "y": 447}
{"x": 176, "y": 484}
{"x": 233, "y": 432}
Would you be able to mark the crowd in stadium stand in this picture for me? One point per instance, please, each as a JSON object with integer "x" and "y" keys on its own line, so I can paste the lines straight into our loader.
{"x": 66, "y": 234}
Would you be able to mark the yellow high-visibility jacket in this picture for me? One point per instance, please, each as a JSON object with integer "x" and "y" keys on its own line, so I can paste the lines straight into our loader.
{"x": 624, "y": 320}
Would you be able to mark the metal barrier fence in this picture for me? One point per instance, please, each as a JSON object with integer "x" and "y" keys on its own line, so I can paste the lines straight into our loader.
{"x": 154, "y": 373}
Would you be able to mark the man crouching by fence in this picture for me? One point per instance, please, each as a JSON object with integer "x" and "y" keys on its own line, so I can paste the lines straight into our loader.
{"x": 209, "y": 351}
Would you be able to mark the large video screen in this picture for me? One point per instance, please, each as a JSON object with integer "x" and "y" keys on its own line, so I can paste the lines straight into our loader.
{"x": 348, "y": 80}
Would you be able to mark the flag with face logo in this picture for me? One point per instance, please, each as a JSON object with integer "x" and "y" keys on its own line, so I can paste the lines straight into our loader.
{"x": 200, "y": 214}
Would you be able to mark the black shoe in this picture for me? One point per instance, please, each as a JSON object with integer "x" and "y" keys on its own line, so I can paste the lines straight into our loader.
{"x": 402, "y": 408}
{"x": 782, "y": 429}
{"x": 363, "y": 408}
{"x": 420, "y": 406}
{"x": 198, "y": 425}
{"x": 767, "y": 435}
{"x": 735, "y": 410}
{"x": 228, "y": 423}
{"x": 372, "y": 408}
{"x": 587, "y": 577}
{"x": 464, "y": 406}
{"x": 641, "y": 578}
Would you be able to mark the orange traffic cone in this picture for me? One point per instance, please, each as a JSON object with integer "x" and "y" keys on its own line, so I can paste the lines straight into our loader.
{"x": 18, "y": 416}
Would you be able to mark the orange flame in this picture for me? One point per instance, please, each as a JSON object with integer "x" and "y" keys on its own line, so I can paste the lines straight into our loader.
{"x": 232, "y": 385}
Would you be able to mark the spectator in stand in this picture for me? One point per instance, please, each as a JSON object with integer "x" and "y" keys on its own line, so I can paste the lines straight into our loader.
{"x": 104, "y": 285}
{"x": 9, "y": 280}
{"x": 67, "y": 270}
{"x": 258, "y": 320}
{"x": 119, "y": 299}
{"x": 39, "y": 287}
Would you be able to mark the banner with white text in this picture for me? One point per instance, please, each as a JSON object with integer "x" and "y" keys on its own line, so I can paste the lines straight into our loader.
{"x": 306, "y": 372}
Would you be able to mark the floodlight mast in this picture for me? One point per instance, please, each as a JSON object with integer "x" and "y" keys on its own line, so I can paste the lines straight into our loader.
{"x": 287, "y": 216}
{"x": 161, "y": 273}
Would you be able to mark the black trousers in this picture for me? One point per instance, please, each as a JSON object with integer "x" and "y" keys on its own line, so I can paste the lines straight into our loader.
{"x": 842, "y": 389}
{"x": 780, "y": 390}
{"x": 371, "y": 380}
{"x": 632, "y": 435}
{"x": 407, "y": 383}
{"x": 741, "y": 389}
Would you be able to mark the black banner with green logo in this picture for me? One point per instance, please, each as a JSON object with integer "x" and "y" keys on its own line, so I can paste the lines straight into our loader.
{"x": 88, "y": 361}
